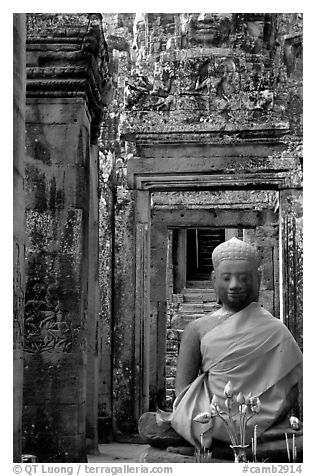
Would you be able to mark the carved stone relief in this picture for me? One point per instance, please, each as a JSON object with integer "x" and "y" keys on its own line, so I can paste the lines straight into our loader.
{"x": 46, "y": 327}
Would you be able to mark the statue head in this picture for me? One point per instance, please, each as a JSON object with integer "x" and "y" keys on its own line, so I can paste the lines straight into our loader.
{"x": 235, "y": 276}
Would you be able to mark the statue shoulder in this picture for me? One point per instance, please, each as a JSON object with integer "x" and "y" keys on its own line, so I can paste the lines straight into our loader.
{"x": 199, "y": 326}
{"x": 277, "y": 324}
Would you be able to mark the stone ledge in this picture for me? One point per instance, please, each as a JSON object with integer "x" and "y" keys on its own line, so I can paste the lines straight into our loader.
{"x": 155, "y": 455}
{"x": 256, "y": 134}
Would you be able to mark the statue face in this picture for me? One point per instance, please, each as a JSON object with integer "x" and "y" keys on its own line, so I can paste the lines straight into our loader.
{"x": 236, "y": 283}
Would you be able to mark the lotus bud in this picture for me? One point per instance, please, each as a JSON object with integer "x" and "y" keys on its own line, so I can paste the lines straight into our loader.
{"x": 215, "y": 400}
{"x": 255, "y": 404}
{"x": 229, "y": 390}
{"x": 294, "y": 423}
{"x": 247, "y": 399}
{"x": 214, "y": 411}
{"x": 240, "y": 398}
{"x": 233, "y": 400}
{"x": 256, "y": 409}
{"x": 227, "y": 403}
{"x": 203, "y": 418}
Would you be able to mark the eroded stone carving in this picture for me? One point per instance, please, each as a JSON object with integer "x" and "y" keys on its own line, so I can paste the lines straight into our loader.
{"x": 156, "y": 92}
{"x": 209, "y": 28}
{"x": 45, "y": 327}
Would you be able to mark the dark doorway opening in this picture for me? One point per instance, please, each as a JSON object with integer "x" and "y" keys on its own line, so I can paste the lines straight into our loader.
{"x": 200, "y": 245}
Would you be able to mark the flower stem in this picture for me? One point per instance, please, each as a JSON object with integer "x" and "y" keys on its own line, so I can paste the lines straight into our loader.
{"x": 230, "y": 433}
{"x": 240, "y": 424}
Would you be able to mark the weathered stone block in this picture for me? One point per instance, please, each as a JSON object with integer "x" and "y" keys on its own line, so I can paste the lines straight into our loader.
{"x": 156, "y": 435}
{"x": 154, "y": 455}
{"x": 172, "y": 334}
{"x": 54, "y": 376}
{"x": 172, "y": 346}
{"x": 171, "y": 360}
{"x": 170, "y": 371}
{"x": 170, "y": 382}
{"x": 179, "y": 321}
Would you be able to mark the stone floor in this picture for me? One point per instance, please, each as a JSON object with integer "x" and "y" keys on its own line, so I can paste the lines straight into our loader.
{"x": 138, "y": 453}
{"x": 118, "y": 453}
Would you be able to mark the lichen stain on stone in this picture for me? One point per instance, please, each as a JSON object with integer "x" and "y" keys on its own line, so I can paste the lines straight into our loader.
{"x": 37, "y": 225}
{"x": 70, "y": 232}
{"x": 36, "y": 144}
{"x": 123, "y": 391}
{"x": 52, "y": 191}
{"x": 42, "y": 152}
{"x": 56, "y": 196}
{"x": 36, "y": 185}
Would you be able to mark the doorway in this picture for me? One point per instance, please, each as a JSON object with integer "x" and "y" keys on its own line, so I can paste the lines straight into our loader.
{"x": 200, "y": 245}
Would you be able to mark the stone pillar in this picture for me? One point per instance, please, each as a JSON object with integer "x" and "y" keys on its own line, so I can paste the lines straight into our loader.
{"x": 181, "y": 260}
{"x": 291, "y": 238}
{"x": 124, "y": 315}
{"x": 66, "y": 66}
{"x": 158, "y": 311}
{"x": 291, "y": 212}
{"x": 19, "y": 84}
{"x": 93, "y": 307}
{"x": 142, "y": 291}
{"x": 105, "y": 322}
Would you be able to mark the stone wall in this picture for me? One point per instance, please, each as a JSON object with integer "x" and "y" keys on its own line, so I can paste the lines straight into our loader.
{"x": 19, "y": 84}
{"x": 66, "y": 78}
{"x": 204, "y": 71}
{"x": 204, "y": 93}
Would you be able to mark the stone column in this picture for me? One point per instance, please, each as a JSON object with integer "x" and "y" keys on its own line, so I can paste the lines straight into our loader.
{"x": 158, "y": 311}
{"x": 291, "y": 238}
{"x": 93, "y": 306}
{"x": 105, "y": 322}
{"x": 66, "y": 66}
{"x": 124, "y": 315}
{"x": 19, "y": 84}
{"x": 291, "y": 212}
{"x": 142, "y": 290}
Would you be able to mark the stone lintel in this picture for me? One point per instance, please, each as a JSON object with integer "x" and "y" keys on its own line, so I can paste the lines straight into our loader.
{"x": 204, "y": 181}
{"x": 219, "y": 166}
{"x": 268, "y": 136}
{"x": 217, "y": 217}
{"x": 69, "y": 60}
{"x": 60, "y": 25}
{"x": 210, "y": 163}
{"x": 218, "y": 181}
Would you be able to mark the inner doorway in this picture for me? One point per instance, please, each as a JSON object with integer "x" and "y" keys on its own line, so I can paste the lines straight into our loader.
{"x": 200, "y": 245}
{"x": 193, "y": 248}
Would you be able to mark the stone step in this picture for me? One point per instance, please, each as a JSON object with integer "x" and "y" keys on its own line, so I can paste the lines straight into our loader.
{"x": 199, "y": 297}
{"x": 198, "y": 289}
{"x": 193, "y": 307}
{"x": 198, "y": 285}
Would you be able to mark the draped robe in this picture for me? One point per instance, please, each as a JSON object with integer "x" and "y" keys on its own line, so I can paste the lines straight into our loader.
{"x": 258, "y": 354}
